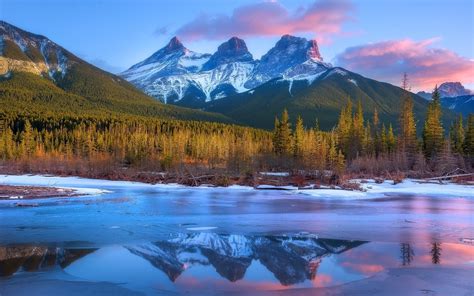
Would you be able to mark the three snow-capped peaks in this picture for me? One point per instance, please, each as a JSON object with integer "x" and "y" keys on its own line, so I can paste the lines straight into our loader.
{"x": 176, "y": 74}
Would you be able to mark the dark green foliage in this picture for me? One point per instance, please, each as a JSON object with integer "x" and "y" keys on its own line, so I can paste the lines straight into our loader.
{"x": 100, "y": 95}
{"x": 323, "y": 99}
{"x": 433, "y": 132}
{"x": 457, "y": 135}
{"x": 469, "y": 138}
{"x": 282, "y": 142}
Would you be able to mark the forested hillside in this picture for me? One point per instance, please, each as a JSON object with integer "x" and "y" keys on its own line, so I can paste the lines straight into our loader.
{"x": 322, "y": 98}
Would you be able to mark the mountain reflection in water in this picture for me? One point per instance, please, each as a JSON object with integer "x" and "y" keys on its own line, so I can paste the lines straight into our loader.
{"x": 202, "y": 260}
{"x": 291, "y": 259}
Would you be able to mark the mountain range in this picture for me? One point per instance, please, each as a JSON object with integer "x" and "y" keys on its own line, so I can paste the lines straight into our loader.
{"x": 291, "y": 259}
{"x": 175, "y": 74}
{"x": 292, "y": 75}
{"x": 38, "y": 75}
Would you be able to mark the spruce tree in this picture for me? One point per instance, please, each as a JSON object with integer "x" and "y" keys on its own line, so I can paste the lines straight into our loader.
{"x": 276, "y": 137}
{"x": 285, "y": 133}
{"x": 457, "y": 135}
{"x": 298, "y": 138}
{"x": 433, "y": 139}
{"x": 383, "y": 139}
{"x": 407, "y": 143}
{"x": 27, "y": 140}
{"x": 390, "y": 140}
{"x": 344, "y": 128}
{"x": 469, "y": 138}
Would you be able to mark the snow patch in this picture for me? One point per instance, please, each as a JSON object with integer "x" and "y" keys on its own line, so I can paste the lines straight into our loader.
{"x": 413, "y": 186}
{"x": 279, "y": 174}
{"x": 353, "y": 81}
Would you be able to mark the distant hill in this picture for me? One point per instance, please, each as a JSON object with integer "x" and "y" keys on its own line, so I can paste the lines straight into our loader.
{"x": 461, "y": 104}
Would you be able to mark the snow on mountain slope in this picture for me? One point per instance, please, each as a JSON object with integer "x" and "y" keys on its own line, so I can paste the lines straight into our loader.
{"x": 175, "y": 74}
{"x": 23, "y": 51}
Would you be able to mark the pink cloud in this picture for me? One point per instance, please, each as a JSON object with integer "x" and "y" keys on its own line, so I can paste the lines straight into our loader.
{"x": 426, "y": 66}
{"x": 324, "y": 18}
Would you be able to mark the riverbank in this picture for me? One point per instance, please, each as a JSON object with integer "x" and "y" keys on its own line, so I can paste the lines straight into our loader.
{"x": 358, "y": 188}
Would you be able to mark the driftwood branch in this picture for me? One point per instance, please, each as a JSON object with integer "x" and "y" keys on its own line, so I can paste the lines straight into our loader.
{"x": 449, "y": 177}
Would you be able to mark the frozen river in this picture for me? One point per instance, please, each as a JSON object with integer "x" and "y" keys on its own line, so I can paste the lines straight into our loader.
{"x": 138, "y": 239}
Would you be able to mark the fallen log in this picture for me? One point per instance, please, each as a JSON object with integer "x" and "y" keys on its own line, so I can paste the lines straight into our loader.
{"x": 449, "y": 177}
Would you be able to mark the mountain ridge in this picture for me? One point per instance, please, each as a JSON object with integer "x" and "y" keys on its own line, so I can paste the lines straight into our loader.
{"x": 230, "y": 70}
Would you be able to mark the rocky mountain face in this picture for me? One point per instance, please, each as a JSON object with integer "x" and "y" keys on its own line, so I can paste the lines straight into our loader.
{"x": 26, "y": 52}
{"x": 33, "y": 66}
{"x": 452, "y": 89}
{"x": 177, "y": 75}
{"x": 292, "y": 58}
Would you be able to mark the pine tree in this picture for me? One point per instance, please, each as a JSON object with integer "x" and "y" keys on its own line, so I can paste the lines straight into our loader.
{"x": 357, "y": 133}
{"x": 285, "y": 133}
{"x": 433, "y": 139}
{"x": 377, "y": 145}
{"x": 298, "y": 138}
{"x": 383, "y": 140}
{"x": 27, "y": 140}
{"x": 407, "y": 143}
{"x": 344, "y": 128}
{"x": 276, "y": 137}
{"x": 282, "y": 141}
{"x": 469, "y": 138}
{"x": 390, "y": 140}
{"x": 457, "y": 135}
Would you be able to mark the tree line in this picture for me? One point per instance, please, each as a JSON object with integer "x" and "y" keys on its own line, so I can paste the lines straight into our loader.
{"x": 356, "y": 145}
{"x": 363, "y": 145}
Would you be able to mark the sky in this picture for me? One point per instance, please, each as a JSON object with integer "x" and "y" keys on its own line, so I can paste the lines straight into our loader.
{"x": 431, "y": 40}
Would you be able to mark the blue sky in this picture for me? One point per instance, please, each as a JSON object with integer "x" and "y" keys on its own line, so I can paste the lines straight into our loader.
{"x": 117, "y": 34}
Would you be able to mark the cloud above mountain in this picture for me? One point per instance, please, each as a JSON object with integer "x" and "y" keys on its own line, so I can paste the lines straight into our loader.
{"x": 324, "y": 18}
{"x": 425, "y": 65}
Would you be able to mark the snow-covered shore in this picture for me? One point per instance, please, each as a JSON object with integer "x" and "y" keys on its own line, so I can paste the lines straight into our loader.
{"x": 370, "y": 188}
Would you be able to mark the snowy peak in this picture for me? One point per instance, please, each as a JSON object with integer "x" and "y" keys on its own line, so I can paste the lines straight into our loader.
{"x": 291, "y": 58}
{"x": 298, "y": 46}
{"x": 169, "y": 53}
{"x": 233, "y": 50}
{"x": 175, "y": 73}
{"x": 173, "y": 45}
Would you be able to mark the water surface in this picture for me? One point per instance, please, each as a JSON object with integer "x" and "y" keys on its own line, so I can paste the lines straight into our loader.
{"x": 161, "y": 240}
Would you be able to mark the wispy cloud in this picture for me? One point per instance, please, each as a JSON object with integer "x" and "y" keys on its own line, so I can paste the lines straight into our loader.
{"x": 324, "y": 18}
{"x": 425, "y": 65}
